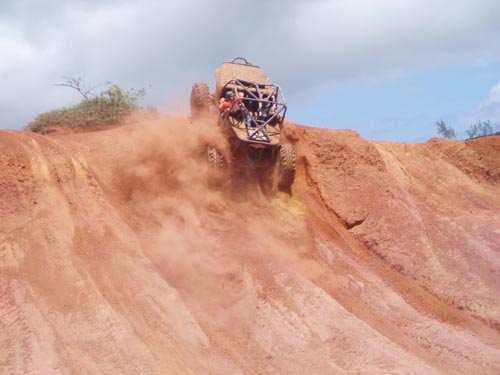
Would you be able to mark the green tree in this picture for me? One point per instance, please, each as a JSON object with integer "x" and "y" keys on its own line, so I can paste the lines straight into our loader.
{"x": 444, "y": 130}
{"x": 481, "y": 129}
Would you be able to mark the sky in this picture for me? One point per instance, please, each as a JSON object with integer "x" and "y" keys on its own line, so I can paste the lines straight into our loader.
{"x": 388, "y": 69}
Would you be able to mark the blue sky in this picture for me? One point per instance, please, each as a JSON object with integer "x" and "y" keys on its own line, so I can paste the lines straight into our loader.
{"x": 387, "y": 68}
{"x": 408, "y": 105}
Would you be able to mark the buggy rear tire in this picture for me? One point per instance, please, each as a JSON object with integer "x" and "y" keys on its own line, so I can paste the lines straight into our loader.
{"x": 285, "y": 167}
{"x": 201, "y": 100}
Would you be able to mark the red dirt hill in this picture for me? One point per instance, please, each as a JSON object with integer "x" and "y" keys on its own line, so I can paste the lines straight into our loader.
{"x": 117, "y": 257}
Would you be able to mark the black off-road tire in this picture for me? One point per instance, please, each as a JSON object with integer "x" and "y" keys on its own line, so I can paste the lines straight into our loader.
{"x": 215, "y": 159}
{"x": 201, "y": 99}
{"x": 285, "y": 167}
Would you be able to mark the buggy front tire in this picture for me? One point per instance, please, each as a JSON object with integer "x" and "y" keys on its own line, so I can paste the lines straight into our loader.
{"x": 285, "y": 167}
{"x": 215, "y": 159}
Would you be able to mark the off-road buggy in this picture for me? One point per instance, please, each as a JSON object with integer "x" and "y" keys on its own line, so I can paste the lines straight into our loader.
{"x": 252, "y": 120}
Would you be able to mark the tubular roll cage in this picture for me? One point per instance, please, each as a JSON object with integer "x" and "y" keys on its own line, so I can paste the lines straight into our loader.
{"x": 264, "y": 95}
{"x": 245, "y": 61}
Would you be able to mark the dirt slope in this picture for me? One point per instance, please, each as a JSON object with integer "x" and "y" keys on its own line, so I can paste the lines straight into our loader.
{"x": 117, "y": 256}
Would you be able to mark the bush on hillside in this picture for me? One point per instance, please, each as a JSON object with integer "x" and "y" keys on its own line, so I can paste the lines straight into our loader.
{"x": 445, "y": 131}
{"x": 110, "y": 107}
{"x": 482, "y": 129}
{"x": 477, "y": 130}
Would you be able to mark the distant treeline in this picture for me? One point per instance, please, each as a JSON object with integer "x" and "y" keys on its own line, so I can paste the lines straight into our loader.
{"x": 477, "y": 130}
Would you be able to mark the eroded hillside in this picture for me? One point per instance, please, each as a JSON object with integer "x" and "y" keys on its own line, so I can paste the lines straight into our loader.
{"x": 118, "y": 256}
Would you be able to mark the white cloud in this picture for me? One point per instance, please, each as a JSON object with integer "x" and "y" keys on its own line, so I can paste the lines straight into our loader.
{"x": 487, "y": 110}
{"x": 493, "y": 98}
{"x": 345, "y": 39}
{"x": 169, "y": 44}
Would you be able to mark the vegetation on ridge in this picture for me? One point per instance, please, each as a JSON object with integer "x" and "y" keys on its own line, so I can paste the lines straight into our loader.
{"x": 477, "y": 130}
{"x": 111, "y": 106}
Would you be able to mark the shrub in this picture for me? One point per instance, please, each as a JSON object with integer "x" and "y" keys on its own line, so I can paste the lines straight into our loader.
{"x": 444, "y": 130}
{"x": 481, "y": 129}
{"x": 110, "y": 107}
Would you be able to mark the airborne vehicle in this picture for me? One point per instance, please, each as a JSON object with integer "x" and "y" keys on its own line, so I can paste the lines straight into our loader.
{"x": 252, "y": 120}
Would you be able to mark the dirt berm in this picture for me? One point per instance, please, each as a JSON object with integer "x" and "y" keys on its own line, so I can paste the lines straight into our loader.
{"x": 118, "y": 257}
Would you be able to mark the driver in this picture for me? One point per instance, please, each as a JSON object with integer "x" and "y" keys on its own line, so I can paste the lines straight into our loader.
{"x": 230, "y": 101}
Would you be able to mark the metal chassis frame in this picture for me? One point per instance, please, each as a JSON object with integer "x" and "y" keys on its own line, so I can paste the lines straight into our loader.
{"x": 253, "y": 93}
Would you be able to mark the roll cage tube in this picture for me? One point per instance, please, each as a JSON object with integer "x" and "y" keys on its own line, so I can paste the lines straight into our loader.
{"x": 264, "y": 103}
{"x": 245, "y": 61}
{"x": 265, "y": 96}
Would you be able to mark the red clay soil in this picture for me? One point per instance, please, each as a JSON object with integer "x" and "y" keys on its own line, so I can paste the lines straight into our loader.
{"x": 118, "y": 255}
